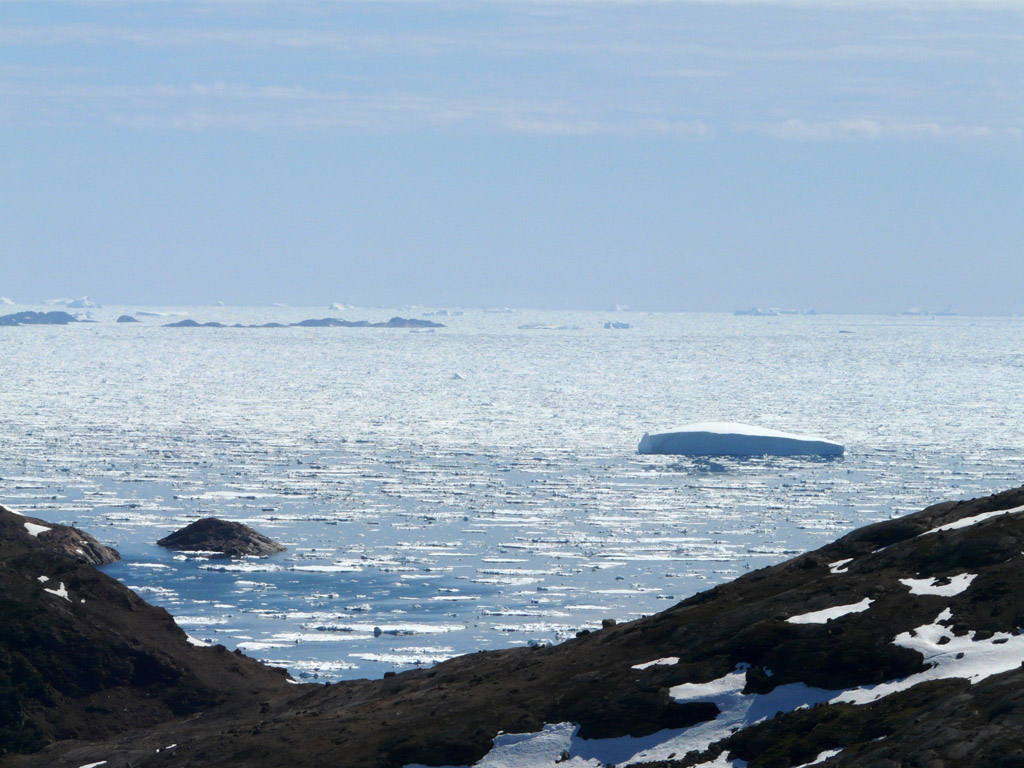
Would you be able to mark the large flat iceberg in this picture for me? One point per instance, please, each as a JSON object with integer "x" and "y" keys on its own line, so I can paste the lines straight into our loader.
{"x": 716, "y": 438}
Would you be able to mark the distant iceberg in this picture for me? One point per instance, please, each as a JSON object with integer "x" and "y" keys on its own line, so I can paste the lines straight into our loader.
{"x": 718, "y": 438}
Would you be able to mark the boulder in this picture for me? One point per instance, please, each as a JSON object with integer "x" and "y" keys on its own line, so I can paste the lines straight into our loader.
{"x": 226, "y": 538}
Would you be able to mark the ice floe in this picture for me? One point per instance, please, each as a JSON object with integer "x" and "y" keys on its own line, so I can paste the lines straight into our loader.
{"x": 717, "y": 438}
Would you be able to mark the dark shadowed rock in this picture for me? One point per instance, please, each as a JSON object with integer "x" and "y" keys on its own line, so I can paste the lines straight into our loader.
{"x": 38, "y": 318}
{"x": 127, "y": 319}
{"x": 222, "y": 536}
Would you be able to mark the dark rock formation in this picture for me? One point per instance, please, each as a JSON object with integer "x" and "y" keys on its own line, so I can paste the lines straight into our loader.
{"x": 64, "y": 542}
{"x": 127, "y": 319}
{"x": 450, "y": 714}
{"x": 83, "y": 657}
{"x": 190, "y": 323}
{"x": 227, "y": 538}
{"x": 38, "y": 318}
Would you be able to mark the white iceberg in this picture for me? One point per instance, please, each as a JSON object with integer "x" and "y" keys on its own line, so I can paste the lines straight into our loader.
{"x": 718, "y": 438}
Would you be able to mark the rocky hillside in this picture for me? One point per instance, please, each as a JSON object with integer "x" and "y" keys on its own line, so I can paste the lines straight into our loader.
{"x": 898, "y": 645}
{"x": 82, "y": 656}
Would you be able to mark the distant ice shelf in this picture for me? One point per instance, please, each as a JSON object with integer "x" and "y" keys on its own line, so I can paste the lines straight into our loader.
{"x": 725, "y": 439}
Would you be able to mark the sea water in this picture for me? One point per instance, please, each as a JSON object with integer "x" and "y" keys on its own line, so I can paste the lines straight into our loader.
{"x": 478, "y": 486}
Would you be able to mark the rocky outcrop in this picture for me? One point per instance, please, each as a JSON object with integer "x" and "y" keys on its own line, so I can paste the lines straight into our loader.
{"x": 127, "y": 319}
{"x": 82, "y": 657}
{"x": 38, "y": 318}
{"x": 62, "y": 541}
{"x": 226, "y": 538}
{"x": 898, "y": 645}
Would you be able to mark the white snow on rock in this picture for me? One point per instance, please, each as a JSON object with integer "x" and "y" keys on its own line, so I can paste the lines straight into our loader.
{"x": 828, "y": 614}
{"x": 43, "y": 579}
{"x": 723, "y": 761}
{"x": 978, "y": 660}
{"x": 718, "y": 438}
{"x": 61, "y": 591}
{"x": 93, "y": 765}
{"x": 821, "y": 758}
{"x": 968, "y": 521}
{"x": 196, "y": 641}
{"x": 956, "y": 585}
{"x": 667, "y": 661}
{"x": 34, "y": 529}
{"x": 543, "y": 749}
{"x": 840, "y": 566}
{"x": 8, "y": 509}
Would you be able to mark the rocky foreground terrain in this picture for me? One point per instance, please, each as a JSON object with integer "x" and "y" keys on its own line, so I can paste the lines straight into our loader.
{"x": 898, "y": 645}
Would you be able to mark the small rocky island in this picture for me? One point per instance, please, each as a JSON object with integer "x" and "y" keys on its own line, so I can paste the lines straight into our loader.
{"x": 323, "y": 322}
{"x": 38, "y": 318}
{"x": 224, "y": 537}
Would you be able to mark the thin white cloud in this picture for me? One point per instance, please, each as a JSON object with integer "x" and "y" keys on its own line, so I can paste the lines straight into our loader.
{"x": 869, "y": 128}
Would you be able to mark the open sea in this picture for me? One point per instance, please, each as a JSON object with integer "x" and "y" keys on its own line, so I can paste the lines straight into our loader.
{"x": 478, "y": 486}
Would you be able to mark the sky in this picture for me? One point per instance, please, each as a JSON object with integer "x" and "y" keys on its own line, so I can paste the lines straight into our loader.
{"x": 668, "y": 155}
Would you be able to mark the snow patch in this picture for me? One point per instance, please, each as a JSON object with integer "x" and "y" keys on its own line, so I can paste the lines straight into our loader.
{"x": 34, "y": 529}
{"x": 828, "y": 614}
{"x": 667, "y": 661}
{"x": 974, "y": 520}
{"x": 956, "y": 585}
{"x": 978, "y": 659}
{"x": 821, "y": 758}
{"x": 840, "y": 566}
{"x": 61, "y": 591}
{"x": 197, "y": 642}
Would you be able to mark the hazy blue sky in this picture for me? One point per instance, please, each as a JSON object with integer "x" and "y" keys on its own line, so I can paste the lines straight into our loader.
{"x": 666, "y": 155}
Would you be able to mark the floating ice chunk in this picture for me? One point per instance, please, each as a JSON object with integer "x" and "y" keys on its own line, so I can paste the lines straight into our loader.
{"x": 956, "y": 585}
{"x": 840, "y": 566}
{"x": 717, "y": 438}
{"x": 35, "y": 530}
{"x": 828, "y": 614}
{"x": 968, "y": 521}
{"x": 61, "y": 591}
{"x": 667, "y": 661}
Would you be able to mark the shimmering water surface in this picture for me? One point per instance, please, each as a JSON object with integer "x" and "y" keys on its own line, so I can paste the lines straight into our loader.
{"x": 478, "y": 486}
